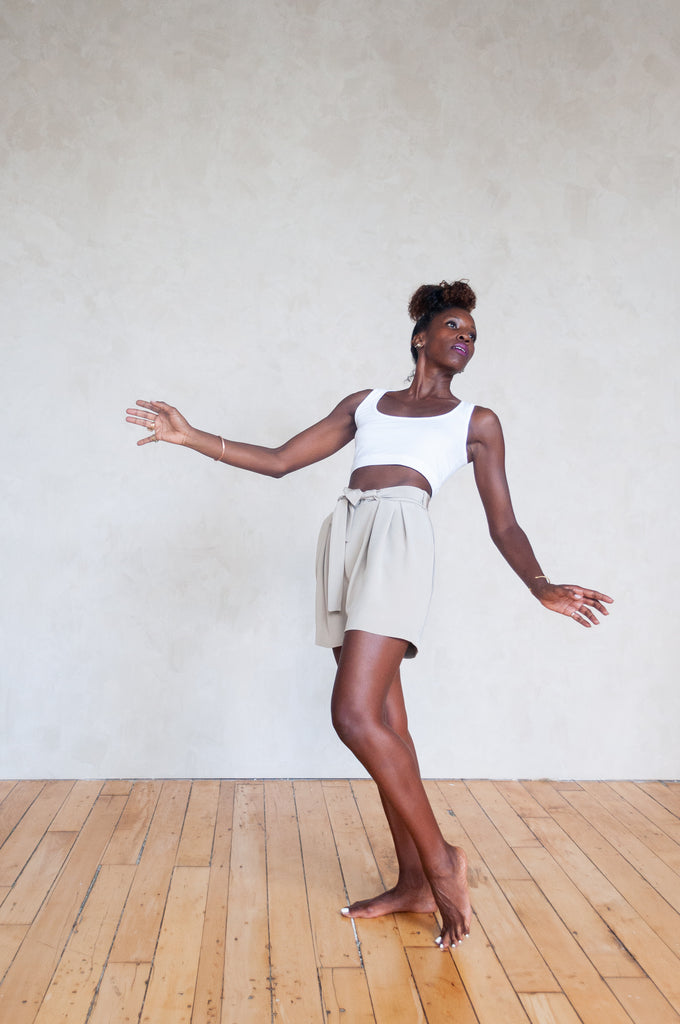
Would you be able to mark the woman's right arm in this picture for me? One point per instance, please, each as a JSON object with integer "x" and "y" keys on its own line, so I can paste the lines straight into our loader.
{"x": 317, "y": 442}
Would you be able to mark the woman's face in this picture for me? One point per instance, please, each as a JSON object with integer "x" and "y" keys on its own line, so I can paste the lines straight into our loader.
{"x": 449, "y": 339}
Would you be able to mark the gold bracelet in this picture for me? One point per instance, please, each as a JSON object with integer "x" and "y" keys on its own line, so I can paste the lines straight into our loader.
{"x": 542, "y": 578}
{"x": 221, "y": 455}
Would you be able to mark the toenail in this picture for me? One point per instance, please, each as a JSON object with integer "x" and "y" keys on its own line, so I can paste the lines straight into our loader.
{"x": 344, "y": 910}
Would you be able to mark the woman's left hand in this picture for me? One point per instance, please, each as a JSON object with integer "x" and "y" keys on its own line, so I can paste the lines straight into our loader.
{"x": 575, "y": 602}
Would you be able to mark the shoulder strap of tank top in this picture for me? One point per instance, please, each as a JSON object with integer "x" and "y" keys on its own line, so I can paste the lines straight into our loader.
{"x": 369, "y": 403}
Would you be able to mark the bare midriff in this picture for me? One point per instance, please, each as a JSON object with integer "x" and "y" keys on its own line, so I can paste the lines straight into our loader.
{"x": 370, "y": 478}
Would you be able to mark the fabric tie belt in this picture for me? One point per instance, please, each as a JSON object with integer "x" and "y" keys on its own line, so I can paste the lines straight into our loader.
{"x": 347, "y": 502}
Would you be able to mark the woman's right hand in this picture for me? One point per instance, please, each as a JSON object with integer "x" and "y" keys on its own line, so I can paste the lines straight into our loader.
{"x": 164, "y": 422}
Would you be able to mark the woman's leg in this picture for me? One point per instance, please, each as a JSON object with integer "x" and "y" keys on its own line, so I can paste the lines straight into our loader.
{"x": 412, "y": 891}
{"x": 366, "y": 672}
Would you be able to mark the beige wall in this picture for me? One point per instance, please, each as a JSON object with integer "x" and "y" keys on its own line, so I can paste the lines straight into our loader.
{"x": 227, "y": 205}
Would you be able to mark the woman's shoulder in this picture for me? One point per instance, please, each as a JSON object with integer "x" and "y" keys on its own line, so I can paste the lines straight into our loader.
{"x": 347, "y": 407}
{"x": 484, "y": 424}
{"x": 352, "y": 402}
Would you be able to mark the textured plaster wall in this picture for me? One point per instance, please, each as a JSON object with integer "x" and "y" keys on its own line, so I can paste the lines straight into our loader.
{"x": 227, "y": 205}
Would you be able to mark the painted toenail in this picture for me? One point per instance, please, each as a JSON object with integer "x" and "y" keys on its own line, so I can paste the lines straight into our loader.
{"x": 345, "y": 911}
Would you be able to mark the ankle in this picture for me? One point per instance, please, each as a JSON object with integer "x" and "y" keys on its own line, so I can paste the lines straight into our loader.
{"x": 442, "y": 862}
{"x": 412, "y": 878}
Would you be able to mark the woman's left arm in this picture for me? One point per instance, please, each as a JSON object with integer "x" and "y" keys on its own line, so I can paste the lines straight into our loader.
{"x": 486, "y": 449}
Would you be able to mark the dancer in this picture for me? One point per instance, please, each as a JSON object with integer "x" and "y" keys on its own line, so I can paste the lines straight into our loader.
{"x": 375, "y": 564}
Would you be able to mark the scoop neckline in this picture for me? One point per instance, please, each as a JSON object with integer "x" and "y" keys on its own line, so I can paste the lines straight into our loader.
{"x": 437, "y": 416}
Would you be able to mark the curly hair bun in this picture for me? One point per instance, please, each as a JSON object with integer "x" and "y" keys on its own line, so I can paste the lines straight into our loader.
{"x": 432, "y": 298}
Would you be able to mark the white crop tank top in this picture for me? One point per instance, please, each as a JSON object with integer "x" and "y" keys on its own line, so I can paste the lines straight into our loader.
{"x": 435, "y": 446}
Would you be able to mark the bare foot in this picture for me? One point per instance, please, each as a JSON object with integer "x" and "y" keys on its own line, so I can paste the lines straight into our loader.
{"x": 452, "y": 895}
{"x": 416, "y": 899}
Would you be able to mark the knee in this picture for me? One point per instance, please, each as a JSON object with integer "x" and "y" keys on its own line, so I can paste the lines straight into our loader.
{"x": 350, "y": 722}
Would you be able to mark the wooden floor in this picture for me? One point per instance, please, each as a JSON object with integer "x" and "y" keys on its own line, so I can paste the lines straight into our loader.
{"x": 208, "y": 902}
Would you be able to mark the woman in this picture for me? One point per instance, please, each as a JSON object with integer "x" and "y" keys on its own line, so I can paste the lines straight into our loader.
{"x": 375, "y": 564}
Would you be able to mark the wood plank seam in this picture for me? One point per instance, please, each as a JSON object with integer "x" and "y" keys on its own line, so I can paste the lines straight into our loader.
{"x": 357, "y": 940}
{"x": 649, "y": 835}
{"x": 171, "y": 880}
{"x": 100, "y": 979}
{"x": 122, "y": 909}
{"x": 574, "y": 934}
{"x": 15, "y": 793}
{"x": 105, "y": 965}
{"x": 306, "y": 887}
{"x": 662, "y": 877}
{"x": 146, "y": 834}
{"x": 611, "y": 900}
{"x": 656, "y": 824}
{"x": 368, "y": 837}
{"x": 383, "y": 882}
{"x": 309, "y": 909}
{"x": 380, "y": 875}
{"x": 627, "y": 865}
{"x": 270, "y": 979}
{"x": 475, "y": 848}
{"x": 78, "y": 915}
{"x": 33, "y": 966}
{"x": 208, "y": 998}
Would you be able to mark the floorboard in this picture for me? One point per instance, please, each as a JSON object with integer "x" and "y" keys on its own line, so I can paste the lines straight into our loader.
{"x": 217, "y": 902}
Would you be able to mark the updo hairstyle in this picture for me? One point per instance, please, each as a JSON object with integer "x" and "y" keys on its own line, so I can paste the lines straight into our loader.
{"x": 431, "y": 299}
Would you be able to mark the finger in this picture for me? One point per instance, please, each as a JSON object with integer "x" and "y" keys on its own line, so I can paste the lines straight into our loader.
{"x": 581, "y": 621}
{"x": 596, "y": 595}
{"x": 137, "y": 417}
{"x": 140, "y": 417}
{"x": 584, "y": 610}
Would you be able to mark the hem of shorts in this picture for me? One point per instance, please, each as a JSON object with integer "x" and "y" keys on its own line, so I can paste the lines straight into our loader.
{"x": 411, "y": 650}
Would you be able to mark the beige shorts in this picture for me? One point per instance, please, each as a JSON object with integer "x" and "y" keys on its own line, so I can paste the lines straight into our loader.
{"x": 375, "y": 566}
